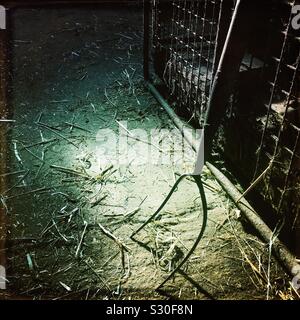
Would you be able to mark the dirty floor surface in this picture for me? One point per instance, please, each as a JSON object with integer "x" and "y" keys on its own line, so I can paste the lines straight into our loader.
{"x": 71, "y": 211}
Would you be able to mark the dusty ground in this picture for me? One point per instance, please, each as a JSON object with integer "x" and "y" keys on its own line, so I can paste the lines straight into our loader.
{"x": 73, "y": 76}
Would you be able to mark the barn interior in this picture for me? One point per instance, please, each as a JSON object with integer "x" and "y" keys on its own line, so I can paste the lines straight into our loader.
{"x": 102, "y": 107}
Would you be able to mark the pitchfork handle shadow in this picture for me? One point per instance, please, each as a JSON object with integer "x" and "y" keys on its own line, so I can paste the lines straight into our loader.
{"x": 198, "y": 181}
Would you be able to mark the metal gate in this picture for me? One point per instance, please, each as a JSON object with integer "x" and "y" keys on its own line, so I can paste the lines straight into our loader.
{"x": 185, "y": 48}
{"x": 261, "y": 126}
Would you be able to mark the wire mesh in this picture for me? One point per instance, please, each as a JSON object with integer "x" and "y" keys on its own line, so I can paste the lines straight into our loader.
{"x": 279, "y": 143}
{"x": 185, "y": 44}
{"x": 187, "y": 37}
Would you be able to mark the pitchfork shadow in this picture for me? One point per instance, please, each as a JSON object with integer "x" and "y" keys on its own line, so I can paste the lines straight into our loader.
{"x": 180, "y": 271}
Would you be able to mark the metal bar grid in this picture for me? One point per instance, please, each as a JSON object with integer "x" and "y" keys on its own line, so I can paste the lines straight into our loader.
{"x": 187, "y": 39}
{"x": 282, "y": 125}
{"x": 184, "y": 37}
